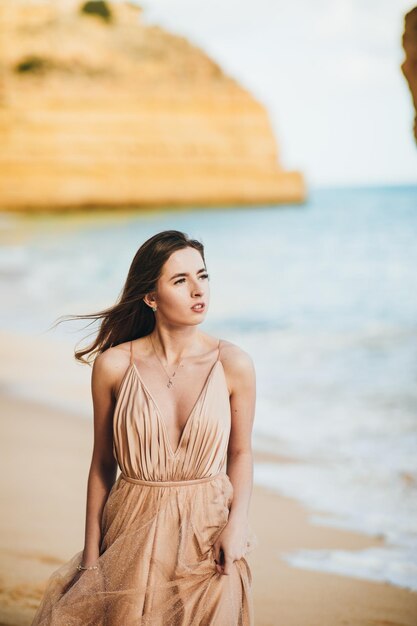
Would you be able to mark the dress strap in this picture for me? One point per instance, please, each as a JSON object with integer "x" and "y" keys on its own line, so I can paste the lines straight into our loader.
{"x": 218, "y": 350}
{"x": 131, "y": 353}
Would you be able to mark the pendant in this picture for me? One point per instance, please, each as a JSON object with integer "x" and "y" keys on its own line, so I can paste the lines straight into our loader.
{"x": 169, "y": 383}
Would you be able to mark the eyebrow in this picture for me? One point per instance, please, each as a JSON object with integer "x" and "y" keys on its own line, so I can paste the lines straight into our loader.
{"x": 186, "y": 273}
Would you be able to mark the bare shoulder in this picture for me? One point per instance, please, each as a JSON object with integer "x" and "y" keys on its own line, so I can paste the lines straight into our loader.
{"x": 110, "y": 366}
{"x": 234, "y": 356}
{"x": 238, "y": 364}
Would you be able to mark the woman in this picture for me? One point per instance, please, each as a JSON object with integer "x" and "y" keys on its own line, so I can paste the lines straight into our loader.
{"x": 165, "y": 543}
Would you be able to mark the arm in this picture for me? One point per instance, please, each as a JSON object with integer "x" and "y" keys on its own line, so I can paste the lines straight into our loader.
{"x": 241, "y": 378}
{"x": 103, "y": 466}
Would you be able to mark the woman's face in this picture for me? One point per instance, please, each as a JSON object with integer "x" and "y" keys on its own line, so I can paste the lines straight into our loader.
{"x": 183, "y": 284}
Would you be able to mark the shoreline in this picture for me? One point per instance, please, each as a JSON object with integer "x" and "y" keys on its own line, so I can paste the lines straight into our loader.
{"x": 44, "y": 526}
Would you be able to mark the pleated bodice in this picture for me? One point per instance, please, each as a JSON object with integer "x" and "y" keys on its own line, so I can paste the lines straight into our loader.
{"x": 141, "y": 443}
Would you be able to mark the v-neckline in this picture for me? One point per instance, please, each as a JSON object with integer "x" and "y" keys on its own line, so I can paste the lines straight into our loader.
{"x": 160, "y": 415}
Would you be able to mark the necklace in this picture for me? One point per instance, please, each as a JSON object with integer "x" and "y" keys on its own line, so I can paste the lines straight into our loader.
{"x": 169, "y": 383}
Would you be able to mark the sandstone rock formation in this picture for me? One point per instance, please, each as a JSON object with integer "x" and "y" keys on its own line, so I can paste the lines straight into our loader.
{"x": 409, "y": 66}
{"x": 99, "y": 109}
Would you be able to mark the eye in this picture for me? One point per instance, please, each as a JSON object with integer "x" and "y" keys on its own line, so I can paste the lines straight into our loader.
{"x": 181, "y": 280}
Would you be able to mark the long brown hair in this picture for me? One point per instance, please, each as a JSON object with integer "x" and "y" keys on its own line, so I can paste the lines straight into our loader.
{"x": 131, "y": 317}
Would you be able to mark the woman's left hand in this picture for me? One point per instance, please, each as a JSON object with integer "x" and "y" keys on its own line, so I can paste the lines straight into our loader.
{"x": 230, "y": 545}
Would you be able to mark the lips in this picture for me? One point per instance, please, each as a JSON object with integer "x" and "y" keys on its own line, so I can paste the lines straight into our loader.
{"x": 199, "y": 306}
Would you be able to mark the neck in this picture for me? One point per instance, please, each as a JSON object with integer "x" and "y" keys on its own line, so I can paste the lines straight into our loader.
{"x": 175, "y": 345}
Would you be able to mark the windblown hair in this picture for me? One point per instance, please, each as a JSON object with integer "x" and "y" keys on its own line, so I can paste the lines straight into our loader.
{"x": 131, "y": 318}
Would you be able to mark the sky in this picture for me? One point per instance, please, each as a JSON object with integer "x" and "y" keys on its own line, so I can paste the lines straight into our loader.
{"x": 328, "y": 73}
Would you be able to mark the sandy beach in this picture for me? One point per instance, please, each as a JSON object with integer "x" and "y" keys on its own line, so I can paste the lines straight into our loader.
{"x": 45, "y": 456}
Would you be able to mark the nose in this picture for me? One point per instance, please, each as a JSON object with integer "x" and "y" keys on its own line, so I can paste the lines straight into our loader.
{"x": 196, "y": 289}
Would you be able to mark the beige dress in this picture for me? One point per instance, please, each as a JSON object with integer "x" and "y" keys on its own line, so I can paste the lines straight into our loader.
{"x": 164, "y": 512}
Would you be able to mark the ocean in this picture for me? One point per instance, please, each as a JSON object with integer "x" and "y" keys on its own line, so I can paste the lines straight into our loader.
{"x": 324, "y": 298}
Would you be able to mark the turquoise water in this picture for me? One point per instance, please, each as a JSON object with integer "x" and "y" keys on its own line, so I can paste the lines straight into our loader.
{"x": 323, "y": 296}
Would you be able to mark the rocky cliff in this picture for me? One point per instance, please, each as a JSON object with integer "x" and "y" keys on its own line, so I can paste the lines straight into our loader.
{"x": 99, "y": 109}
{"x": 409, "y": 66}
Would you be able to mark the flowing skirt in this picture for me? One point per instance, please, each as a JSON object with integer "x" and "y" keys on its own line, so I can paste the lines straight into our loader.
{"x": 156, "y": 565}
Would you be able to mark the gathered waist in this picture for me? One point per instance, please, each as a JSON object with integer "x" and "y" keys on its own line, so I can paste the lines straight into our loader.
{"x": 171, "y": 483}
